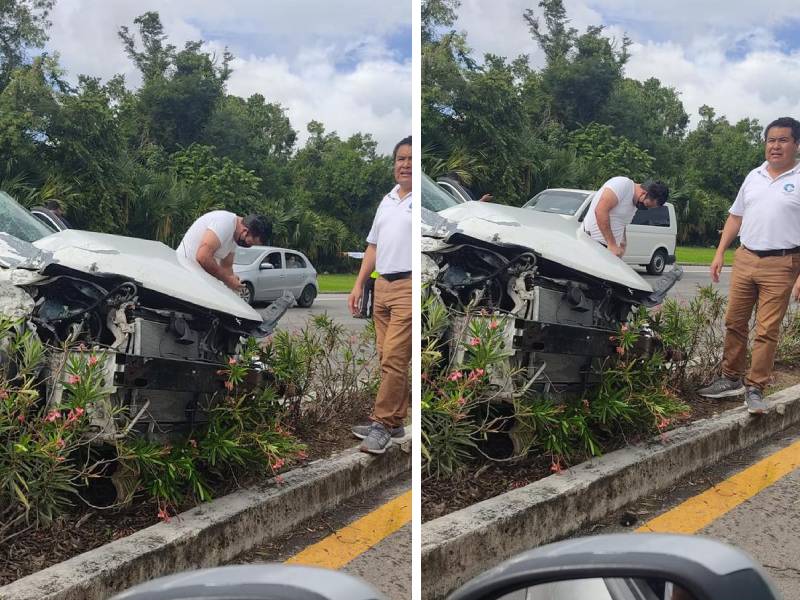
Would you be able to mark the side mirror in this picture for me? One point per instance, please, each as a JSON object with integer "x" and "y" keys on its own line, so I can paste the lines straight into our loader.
{"x": 265, "y": 265}
{"x": 607, "y": 567}
{"x": 274, "y": 581}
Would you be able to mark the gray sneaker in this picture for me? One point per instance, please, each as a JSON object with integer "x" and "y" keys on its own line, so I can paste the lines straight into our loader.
{"x": 722, "y": 388}
{"x": 378, "y": 439}
{"x": 362, "y": 431}
{"x": 754, "y": 401}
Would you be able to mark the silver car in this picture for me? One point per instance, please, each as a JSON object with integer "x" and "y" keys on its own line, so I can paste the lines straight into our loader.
{"x": 266, "y": 272}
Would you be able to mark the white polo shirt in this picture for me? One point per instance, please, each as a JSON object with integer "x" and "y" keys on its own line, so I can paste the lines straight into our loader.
{"x": 391, "y": 233}
{"x": 619, "y": 217}
{"x": 770, "y": 209}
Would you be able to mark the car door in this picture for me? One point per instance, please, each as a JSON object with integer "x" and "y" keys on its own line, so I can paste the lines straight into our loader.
{"x": 296, "y": 272}
{"x": 271, "y": 276}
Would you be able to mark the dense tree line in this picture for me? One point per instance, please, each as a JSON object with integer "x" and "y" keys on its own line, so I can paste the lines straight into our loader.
{"x": 512, "y": 130}
{"x": 147, "y": 162}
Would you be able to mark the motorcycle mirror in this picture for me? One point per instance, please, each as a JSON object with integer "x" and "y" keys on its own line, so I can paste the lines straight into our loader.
{"x": 254, "y": 582}
{"x": 622, "y": 566}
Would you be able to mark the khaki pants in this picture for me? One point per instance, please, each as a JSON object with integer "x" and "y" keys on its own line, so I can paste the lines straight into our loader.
{"x": 392, "y": 316}
{"x": 765, "y": 283}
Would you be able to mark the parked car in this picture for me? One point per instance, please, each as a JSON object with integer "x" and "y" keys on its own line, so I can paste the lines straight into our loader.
{"x": 267, "y": 272}
{"x": 651, "y": 236}
{"x": 49, "y": 218}
{"x": 161, "y": 327}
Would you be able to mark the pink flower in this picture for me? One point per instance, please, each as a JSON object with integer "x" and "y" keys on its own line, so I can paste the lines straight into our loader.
{"x": 556, "y": 467}
{"x": 163, "y": 514}
{"x": 73, "y": 379}
{"x": 474, "y": 341}
{"x": 92, "y": 360}
{"x": 494, "y": 325}
{"x": 279, "y": 480}
{"x": 455, "y": 376}
{"x": 624, "y": 328}
{"x": 462, "y": 401}
{"x": 52, "y": 416}
{"x": 231, "y": 361}
{"x": 302, "y": 455}
{"x": 81, "y": 347}
{"x": 21, "y": 418}
{"x": 278, "y": 464}
{"x": 61, "y": 444}
{"x": 663, "y": 423}
{"x": 3, "y": 394}
{"x": 229, "y": 385}
{"x": 61, "y": 458}
{"x": 620, "y": 350}
{"x": 193, "y": 443}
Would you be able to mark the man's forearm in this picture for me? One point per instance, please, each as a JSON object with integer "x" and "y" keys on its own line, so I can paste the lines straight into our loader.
{"x": 729, "y": 232}
{"x": 212, "y": 267}
{"x": 604, "y": 224}
{"x": 367, "y": 265}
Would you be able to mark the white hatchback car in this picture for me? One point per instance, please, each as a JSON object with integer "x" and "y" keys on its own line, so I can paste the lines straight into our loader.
{"x": 651, "y": 236}
{"x": 266, "y": 272}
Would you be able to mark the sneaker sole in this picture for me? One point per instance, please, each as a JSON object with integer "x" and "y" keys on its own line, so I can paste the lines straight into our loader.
{"x": 756, "y": 411}
{"x": 371, "y": 451}
{"x": 363, "y": 437}
{"x": 726, "y": 394}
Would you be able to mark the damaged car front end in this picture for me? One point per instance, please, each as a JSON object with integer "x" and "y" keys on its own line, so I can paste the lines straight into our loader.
{"x": 559, "y": 295}
{"x": 163, "y": 329}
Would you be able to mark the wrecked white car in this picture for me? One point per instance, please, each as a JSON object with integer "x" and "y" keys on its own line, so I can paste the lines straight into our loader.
{"x": 565, "y": 296}
{"x": 163, "y": 328}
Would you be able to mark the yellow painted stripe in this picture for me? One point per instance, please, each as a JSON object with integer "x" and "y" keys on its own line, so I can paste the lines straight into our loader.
{"x": 700, "y": 511}
{"x": 338, "y": 549}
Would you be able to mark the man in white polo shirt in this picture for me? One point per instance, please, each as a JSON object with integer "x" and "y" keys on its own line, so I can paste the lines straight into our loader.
{"x": 766, "y": 267}
{"x": 389, "y": 252}
{"x": 614, "y": 206}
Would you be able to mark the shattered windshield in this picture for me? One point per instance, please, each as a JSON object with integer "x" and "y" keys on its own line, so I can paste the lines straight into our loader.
{"x": 435, "y": 198}
{"x": 17, "y": 221}
{"x": 560, "y": 202}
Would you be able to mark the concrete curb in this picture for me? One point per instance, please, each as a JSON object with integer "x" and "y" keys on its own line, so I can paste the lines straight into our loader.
{"x": 215, "y": 532}
{"x": 458, "y": 546}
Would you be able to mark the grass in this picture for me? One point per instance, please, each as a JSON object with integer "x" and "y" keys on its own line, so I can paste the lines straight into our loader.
{"x": 700, "y": 256}
{"x": 336, "y": 283}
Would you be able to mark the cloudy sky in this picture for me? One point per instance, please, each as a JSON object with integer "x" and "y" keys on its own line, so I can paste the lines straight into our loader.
{"x": 346, "y": 63}
{"x": 738, "y": 56}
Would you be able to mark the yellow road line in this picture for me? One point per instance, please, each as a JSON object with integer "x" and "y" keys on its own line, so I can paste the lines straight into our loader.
{"x": 702, "y": 510}
{"x": 338, "y": 549}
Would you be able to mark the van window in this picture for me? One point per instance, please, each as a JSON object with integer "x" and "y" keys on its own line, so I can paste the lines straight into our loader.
{"x": 657, "y": 217}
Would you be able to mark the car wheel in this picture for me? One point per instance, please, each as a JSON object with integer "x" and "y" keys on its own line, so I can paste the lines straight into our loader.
{"x": 658, "y": 262}
{"x": 306, "y": 299}
{"x": 247, "y": 292}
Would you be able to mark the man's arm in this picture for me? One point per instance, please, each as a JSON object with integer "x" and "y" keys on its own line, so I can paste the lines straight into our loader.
{"x": 205, "y": 257}
{"x": 608, "y": 200}
{"x": 729, "y": 233}
{"x": 367, "y": 267}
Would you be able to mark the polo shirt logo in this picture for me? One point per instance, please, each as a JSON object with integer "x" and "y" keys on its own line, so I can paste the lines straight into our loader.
{"x": 789, "y": 188}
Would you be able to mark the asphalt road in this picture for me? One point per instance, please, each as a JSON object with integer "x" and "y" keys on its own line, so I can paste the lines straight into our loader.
{"x": 693, "y": 277}
{"x": 766, "y": 526}
{"x": 334, "y": 305}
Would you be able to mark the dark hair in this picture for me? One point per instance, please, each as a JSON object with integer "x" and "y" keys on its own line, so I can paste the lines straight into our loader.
{"x": 657, "y": 190}
{"x": 53, "y": 205}
{"x": 406, "y": 141}
{"x": 258, "y": 226}
{"x": 789, "y": 122}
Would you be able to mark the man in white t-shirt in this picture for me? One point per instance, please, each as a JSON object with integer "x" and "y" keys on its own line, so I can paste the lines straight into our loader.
{"x": 613, "y": 207}
{"x": 389, "y": 252}
{"x": 212, "y": 239}
{"x": 766, "y": 267}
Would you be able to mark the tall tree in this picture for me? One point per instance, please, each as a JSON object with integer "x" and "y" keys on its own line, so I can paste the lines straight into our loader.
{"x": 23, "y": 25}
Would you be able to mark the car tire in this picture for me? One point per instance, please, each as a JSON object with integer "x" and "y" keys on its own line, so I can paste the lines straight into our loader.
{"x": 658, "y": 262}
{"x": 306, "y": 299}
{"x": 247, "y": 293}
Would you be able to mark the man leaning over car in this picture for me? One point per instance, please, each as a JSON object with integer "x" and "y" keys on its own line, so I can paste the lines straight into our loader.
{"x": 389, "y": 252}
{"x": 212, "y": 239}
{"x": 766, "y": 267}
{"x": 614, "y": 206}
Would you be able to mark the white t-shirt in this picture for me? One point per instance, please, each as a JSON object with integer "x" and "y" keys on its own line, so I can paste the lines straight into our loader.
{"x": 619, "y": 217}
{"x": 222, "y": 223}
{"x": 391, "y": 233}
{"x": 770, "y": 209}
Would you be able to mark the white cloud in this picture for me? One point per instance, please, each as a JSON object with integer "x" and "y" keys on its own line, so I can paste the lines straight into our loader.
{"x": 287, "y": 50}
{"x": 718, "y": 53}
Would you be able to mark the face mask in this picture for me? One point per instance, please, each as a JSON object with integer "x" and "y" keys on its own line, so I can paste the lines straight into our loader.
{"x": 641, "y": 205}
{"x": 242, "y": 241}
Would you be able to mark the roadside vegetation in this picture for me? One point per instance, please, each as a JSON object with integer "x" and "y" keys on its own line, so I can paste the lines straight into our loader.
{"x": 336, "y": 283}
{"x": 146, "y": 162}
{"x": 468, "y": 407}
{"x": 511, "y": 128}
{"x": 55, "y": 472}
{"x": 700, "y": 256}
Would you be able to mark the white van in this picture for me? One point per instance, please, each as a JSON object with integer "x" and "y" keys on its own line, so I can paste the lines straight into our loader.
{"x": 651, "y": 236}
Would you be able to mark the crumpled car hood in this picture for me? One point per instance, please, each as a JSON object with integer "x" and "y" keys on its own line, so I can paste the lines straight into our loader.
{"x": 153, "y": 265}
{"x": 549, "y": 235}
